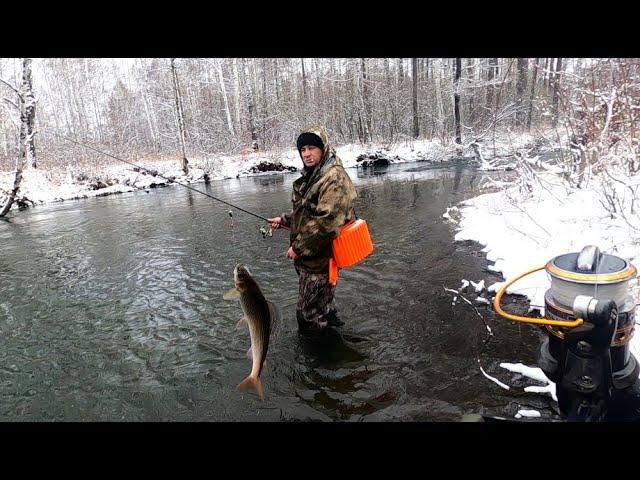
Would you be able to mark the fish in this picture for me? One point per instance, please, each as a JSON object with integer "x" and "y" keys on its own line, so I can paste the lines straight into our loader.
{"x": 261, "y": 316}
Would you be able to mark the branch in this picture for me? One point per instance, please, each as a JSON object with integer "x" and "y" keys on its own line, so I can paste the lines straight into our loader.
{"x": 11, "y": 102}
{"x": 10, "y": 114}
{"x": 469, "y": 302}
{"x": 11, "y": 86}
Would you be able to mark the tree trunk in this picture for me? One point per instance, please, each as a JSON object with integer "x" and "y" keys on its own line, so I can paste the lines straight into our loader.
{"x": 439, "y": 103}
{"x": 238, "y": 88}
{"x": 181, "y": 128}
{"x": 556, "y": 90}
{"x": 250, "y": 106}
{"x": 276, "y": 79}
{"x": 521, "y": 85}
{"x": 533, "y": 92}
{"x": 26, "y": 147}
{"x": 223, "y": 90}
{"x": 416, "y": 128}
{"x": 29, "y": 112}
{"x": 387, "y": 72}
{"x": 304, "y": 81}
{"x": 491, "y": 74}
{"x": 545, "y": 74}
{"x": 456, "y": 102}
{"x": 366, "y": 100}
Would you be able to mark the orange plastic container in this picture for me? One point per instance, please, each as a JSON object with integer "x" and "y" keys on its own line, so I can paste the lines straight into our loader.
{"x": 351, "y": 247}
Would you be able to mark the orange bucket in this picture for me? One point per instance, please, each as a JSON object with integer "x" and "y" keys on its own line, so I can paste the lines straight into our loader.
{"x": 351, "y": 247}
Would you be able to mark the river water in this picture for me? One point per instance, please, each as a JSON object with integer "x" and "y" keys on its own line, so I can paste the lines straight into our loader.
{"x": 111, "y": 309}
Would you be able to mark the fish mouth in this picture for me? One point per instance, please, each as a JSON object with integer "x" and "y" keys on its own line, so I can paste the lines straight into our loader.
{"x": 240, "y": 271}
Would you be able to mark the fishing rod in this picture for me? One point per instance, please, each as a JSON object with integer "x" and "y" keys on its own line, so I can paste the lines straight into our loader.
{"x": 155, "y": 173}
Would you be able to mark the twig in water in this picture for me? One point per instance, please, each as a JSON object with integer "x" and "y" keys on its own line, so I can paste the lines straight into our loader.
{"x": 474, "y": 307}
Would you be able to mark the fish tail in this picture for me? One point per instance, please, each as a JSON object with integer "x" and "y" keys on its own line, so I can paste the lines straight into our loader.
{"x": 251, "y": 382}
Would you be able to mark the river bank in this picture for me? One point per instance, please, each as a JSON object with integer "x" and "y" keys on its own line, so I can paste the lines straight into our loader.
{"x": 100, "y": 178}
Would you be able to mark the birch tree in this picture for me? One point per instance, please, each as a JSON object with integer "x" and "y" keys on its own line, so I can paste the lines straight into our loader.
{"x": 223, "y": 90}
{"x": 26, "y": 143}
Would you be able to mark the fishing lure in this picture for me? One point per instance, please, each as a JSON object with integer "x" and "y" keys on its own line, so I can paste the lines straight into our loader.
{"x": 266, "y": 233}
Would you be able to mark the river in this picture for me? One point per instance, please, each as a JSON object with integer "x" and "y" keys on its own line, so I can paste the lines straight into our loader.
{"x": 111, "y": 309}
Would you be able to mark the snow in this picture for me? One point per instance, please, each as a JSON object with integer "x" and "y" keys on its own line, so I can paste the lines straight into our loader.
{"x": 478, "y": 286}
{"x": 535, "y": 374}
{"x": 45, "y": 186}
{"x": 493, "y": 379}
{"x": 528, "y": 413}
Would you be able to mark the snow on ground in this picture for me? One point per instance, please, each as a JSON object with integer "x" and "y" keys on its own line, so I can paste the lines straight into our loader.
{"x": 45, "y": 186}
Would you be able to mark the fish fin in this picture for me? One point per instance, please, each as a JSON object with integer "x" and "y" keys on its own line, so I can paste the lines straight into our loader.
{"x": 242, "y": 323}
{"x": 276, "y": 320}
{"x": 231, "y": 294}
{"x": 251, "y": 382}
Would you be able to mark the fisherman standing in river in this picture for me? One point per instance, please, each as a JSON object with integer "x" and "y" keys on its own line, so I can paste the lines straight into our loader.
{"x": 323, "y": 199}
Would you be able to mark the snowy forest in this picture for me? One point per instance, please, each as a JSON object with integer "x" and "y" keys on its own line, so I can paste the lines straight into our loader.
{"x": 166, "y": 109}
{"x": 129, "y": 105}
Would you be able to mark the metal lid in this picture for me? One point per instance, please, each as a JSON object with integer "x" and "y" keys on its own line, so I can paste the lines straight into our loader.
{"x": 605, "y": 269}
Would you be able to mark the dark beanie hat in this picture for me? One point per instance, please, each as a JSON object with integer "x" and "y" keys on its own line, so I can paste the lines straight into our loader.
{"x": 308, "y": 138}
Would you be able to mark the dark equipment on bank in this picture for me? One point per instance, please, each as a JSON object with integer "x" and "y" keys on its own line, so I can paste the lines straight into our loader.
{"x": 589, "y": 319}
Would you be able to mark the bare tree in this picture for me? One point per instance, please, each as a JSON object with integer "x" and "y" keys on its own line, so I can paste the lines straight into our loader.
{"x": 556, "y": 90}
{"x": 180, "y": 116}
{"x": 134, "y": 109}
{"x": 533, "y": 92}
{"x": 521, "y": 85}
{"x": 250, "y": 105}
{"x": 416, "y": 128}
{"x": 223, "y": 90}
{"x": 456, "y": 100}
{"x": 26, "y": 144}
{"x": 304, "y": 80}
{"x": 492, "y": 72}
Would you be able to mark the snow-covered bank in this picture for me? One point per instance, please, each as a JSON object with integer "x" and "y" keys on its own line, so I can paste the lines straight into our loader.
{"x": 45, "y": 186}
{"x": 527, "y": 223}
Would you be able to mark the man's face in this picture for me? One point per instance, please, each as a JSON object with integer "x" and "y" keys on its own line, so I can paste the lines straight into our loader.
{"x": 311, "y": 155}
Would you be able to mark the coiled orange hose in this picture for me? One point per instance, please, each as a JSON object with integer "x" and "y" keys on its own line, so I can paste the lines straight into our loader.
{"x": 536, "y": 321}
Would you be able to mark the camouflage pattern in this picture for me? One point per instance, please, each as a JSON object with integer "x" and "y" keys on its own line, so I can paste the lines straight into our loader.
{"x": 323, "y": 199}
{"x": 315, "y": 301}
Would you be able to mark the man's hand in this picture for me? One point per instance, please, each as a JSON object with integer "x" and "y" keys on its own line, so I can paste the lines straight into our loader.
{"x": 291, "y": 254}
{"x": 275, "y": 222}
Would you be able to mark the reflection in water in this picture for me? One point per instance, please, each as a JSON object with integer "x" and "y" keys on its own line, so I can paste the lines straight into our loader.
{"x": 112, "y": 309}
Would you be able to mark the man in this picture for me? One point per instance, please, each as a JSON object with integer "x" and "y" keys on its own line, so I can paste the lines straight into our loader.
{"x": 323, "y": 199}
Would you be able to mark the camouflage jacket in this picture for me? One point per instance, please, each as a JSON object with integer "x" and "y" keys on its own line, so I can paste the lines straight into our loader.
{"x": 323, "y": 200}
